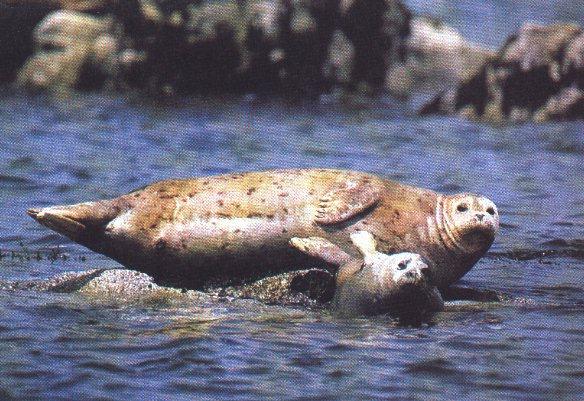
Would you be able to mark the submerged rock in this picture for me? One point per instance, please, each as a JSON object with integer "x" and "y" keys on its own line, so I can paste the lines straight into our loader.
{"x": 305, "y": 287}
{"x": 313, "y": 288}
{"x": 537, "y": 75}
{"x": 114, "y": 285}
{"x": 302, "y": 287}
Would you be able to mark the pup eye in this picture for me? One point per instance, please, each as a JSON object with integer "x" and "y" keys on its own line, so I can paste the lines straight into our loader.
{"x": 402, "y": 265}
{"x": 463, "y": 207}
{"x": 491, "y": 211}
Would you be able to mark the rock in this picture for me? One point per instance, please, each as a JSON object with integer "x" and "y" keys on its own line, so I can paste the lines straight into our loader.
{"x": 573, "y": 65}
{"x": 129, "y": 286}
{"x": 67, "y": 45}
{"x": 437, "y": 56}
{"x": 109, "y": 285}
{"x": 299, "y": 47}
{"x": 340, "y": 57}
{"x": 377, "y": 30}
{"x": 537, "y": 46}
{"x": 568, "y": 104}
{"x": 17, "y": 23}
{"x": 74, "y": 5}
{"x": 537, "y": 75}
{"x": 302, "y": 287}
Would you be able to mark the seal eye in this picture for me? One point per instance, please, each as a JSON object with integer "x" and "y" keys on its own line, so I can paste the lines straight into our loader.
{"x": 491, "y": 211}
{"x": 402, "y": 265}
{"x": 463, "y": 207}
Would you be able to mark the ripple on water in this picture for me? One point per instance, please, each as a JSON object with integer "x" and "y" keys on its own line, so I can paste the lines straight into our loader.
{"x": 433, "y": 367}
{"x": 245, "y": 350}
{"x": 17, "y": 183}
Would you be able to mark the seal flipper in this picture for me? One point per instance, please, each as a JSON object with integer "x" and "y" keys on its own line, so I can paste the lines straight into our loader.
{"x": 322, "y": 249}
{"x": 80, "y": 220}
{"x": 365, "y": 243}
{"x": 341, "y": 204}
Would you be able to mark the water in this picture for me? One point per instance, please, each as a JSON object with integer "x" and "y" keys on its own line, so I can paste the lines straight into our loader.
{"x": 62, "y": 346}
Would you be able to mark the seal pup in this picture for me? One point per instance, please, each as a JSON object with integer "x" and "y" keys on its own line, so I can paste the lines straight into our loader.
{"x": 376, "y": 283}
{"x": 187, "y": 232}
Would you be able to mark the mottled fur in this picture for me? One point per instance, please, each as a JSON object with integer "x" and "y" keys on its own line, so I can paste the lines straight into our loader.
{"x": 237, "y": 226}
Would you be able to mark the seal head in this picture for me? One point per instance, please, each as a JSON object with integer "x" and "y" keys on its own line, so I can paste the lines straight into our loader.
{"x": 470, "y": 220}
{"x": 398, "y": 284}
{"x": 464, "y": 228}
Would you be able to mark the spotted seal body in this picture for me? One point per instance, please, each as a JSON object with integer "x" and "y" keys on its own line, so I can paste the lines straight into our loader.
{"x": 187, "y": 232}
{"x": 376, "y": 283}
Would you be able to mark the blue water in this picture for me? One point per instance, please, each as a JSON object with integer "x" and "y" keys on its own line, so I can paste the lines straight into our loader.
{"x": 64, "y": 346}
{"x": 87, "y": 147}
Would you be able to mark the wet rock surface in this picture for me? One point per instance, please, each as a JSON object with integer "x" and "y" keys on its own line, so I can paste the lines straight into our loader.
{"x": 303, "y": 287}
{"x": 537, "y": 75}
{"x": 117, "y": 285}
{"x": 311, "y": 288}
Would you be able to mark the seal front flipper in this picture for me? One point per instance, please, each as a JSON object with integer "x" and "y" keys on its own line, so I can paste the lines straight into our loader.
{"x": 322, "y": 249}
{"x": 348, "y": 200}
{"x": 365, "y": 243}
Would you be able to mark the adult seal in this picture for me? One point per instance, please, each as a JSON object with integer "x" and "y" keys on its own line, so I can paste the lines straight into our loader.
{"x": 399, "y": 285}
{"x": 188, "y": 232}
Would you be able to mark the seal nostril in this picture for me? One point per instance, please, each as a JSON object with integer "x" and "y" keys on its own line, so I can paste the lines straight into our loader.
{"x": 463, "y": 207}
{"x": 480, "y": 216}
{"x": 491, "y": 211}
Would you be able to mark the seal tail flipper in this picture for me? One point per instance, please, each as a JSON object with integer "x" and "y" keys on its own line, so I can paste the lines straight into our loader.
{"x": 76, "y": 221}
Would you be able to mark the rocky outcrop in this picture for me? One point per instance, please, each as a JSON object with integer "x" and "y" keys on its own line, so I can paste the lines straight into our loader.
{"x": 17, "y": 23}
{"x": 436, "y": 57}
{"x": 108, "y": 285}
{"x": 304, "y": 288}
{"x": 301, "y": 47}
{"x": 72, "y": 50}
{"x": 537, "y": 75}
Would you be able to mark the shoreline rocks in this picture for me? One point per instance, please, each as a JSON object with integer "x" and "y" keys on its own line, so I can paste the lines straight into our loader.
{"x": 297, "y": 48}
{"x": 537, "y": 75}
{"x": 293, "y": 48}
